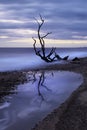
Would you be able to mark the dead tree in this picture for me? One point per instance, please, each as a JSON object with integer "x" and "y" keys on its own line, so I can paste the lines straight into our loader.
{"x": 52, "y": 56}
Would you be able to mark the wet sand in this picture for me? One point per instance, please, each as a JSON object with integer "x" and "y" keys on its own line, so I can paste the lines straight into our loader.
{"x": 72, "y": 114}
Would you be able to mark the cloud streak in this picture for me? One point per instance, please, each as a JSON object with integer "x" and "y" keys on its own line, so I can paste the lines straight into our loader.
{"x": 67, "y": 20}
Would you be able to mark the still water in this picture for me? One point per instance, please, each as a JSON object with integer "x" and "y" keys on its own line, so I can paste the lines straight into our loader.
{"x": 30, "y": 102}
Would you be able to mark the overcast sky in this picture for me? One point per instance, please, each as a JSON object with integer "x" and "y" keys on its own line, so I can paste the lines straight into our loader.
{"x": 66, "y": 19}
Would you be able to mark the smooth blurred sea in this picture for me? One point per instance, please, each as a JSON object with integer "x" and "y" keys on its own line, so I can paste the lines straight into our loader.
{"x": 21, "y": 58}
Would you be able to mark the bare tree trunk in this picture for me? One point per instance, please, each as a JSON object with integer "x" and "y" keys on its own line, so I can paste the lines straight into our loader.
{"x": 52, "y": 56}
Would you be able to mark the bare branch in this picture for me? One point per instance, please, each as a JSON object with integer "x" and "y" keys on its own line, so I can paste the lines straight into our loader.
{"x": 41, "y": 18}
{"x": 52, "y": 56}
{"x": 34, "y": 45}
{"x": 51, "y": 52}
{"x": 37, "y": 21}
{"x": 46, "y": 35}
{"x": 36, "y": 51}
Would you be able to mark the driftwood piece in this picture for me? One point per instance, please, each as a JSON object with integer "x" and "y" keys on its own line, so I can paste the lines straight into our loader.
{"x": 76, "y": 59}
{"x": 66, "y": 58}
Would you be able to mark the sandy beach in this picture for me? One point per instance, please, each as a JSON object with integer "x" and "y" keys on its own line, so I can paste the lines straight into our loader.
{"x": 72, "y": 114}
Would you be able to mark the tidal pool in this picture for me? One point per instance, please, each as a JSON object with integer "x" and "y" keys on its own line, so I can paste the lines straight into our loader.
{"x": 32, "y": 101}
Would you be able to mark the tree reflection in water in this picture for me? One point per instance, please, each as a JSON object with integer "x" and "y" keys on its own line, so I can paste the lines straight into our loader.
{"x": 42, "y": 92}
{"x": 40, "y": 78}
{"x": 36, "y": 77}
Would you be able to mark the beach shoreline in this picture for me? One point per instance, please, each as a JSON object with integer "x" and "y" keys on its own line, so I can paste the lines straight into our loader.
{"x": 64, "y": 117}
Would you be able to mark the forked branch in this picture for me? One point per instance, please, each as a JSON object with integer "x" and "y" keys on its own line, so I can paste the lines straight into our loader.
{"x": 52, "y": 55}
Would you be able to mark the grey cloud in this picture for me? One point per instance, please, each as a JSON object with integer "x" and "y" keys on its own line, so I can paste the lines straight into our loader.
{"x": 64, "y": 17}
{"x": 14, "y": 1}
{"x": 17, "y": 25}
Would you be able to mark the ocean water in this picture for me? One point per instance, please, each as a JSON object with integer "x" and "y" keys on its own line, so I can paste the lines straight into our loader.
{"x": 21, "y": 58}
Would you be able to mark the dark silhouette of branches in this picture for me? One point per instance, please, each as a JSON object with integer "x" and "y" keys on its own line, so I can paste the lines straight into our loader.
{"x": 52, "y": 56}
